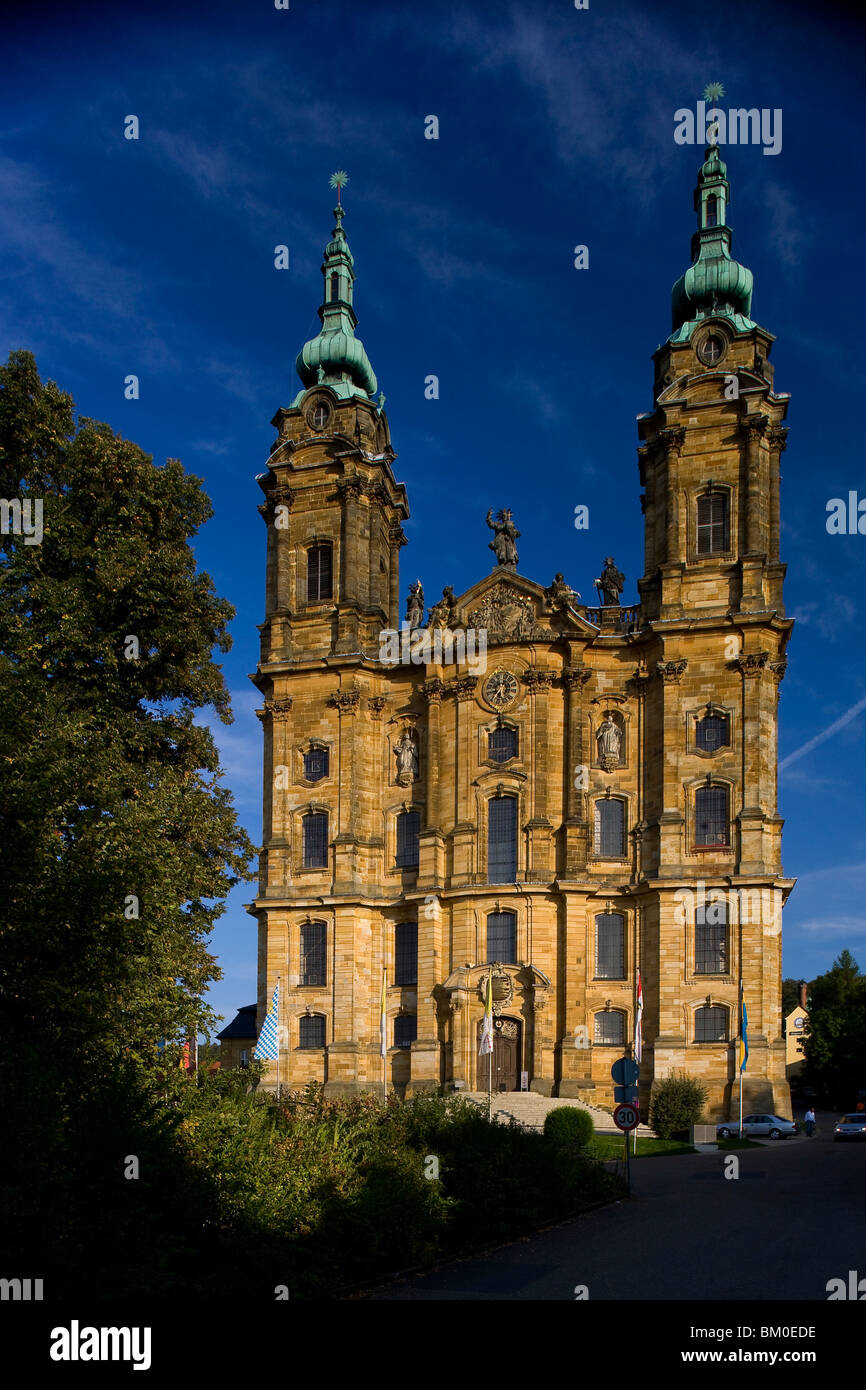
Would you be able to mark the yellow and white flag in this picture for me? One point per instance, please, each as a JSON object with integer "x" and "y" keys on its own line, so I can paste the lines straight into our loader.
{"x": 486, "y": 1043}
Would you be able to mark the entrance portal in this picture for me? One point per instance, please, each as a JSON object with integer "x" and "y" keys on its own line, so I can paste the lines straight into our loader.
{"x": 506, "y": 1055}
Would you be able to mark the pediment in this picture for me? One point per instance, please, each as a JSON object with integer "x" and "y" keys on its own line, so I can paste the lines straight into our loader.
{"x": 512, "y": 608}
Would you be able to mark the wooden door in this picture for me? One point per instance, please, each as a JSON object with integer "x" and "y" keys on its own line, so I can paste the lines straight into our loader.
{"x": 506, "y": 1056}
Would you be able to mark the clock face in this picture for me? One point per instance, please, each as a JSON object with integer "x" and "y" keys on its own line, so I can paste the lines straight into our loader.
{"x": 500, "y": 689}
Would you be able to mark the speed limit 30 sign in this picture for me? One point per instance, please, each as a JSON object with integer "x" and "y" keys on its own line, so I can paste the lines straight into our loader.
{"x": 626, "y": 1117}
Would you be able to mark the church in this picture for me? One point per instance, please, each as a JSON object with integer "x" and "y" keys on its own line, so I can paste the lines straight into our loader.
{"x": 579, "y": 800}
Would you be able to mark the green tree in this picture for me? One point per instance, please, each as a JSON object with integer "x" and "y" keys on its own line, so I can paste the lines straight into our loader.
{"x": 118, "y": 838}
{"x": 835, "y": 1045}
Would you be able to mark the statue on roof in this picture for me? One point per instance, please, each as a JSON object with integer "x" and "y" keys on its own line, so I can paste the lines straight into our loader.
{"x": 415, "y": 605}
{"x": 504, "y": 541}
{"x": 610, "y": 584}
{"x": 442, "y": 614}
{"x": 559, "y": 594}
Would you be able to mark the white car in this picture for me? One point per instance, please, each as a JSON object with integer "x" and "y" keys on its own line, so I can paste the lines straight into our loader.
{"x": 754, "y": 1126}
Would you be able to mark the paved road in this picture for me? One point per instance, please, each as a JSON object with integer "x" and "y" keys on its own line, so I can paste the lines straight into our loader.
{"x": 794, "y": 1218}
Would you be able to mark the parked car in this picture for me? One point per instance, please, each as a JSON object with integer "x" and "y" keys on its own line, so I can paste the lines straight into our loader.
{"x": 851, "y": 1126}
{"x": 754, "y": 1126}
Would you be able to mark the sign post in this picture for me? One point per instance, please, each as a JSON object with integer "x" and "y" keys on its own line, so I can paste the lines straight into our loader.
{"x": 627, "y": 1117}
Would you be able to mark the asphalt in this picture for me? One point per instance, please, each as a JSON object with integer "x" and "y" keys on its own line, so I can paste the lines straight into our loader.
{"x": 793, "y": 1219}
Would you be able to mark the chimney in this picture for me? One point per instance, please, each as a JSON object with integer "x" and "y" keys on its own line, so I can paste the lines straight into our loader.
{"x": 801, "y": 994}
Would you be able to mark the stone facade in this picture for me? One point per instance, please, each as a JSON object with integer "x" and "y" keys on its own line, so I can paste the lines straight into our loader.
{"x": 706, "y": 642}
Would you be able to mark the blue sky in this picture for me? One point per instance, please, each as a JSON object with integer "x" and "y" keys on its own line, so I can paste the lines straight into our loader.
{"x": 156, "y": 257}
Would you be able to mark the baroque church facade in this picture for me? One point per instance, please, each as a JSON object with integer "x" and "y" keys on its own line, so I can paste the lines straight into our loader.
{"x": 592, "y": 802}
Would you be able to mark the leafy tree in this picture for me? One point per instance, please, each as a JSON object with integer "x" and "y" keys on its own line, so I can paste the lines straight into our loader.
{"x": 118, "y": 838}
{"x": 677, "y": 1102}
{"x": 835, "y": 1045}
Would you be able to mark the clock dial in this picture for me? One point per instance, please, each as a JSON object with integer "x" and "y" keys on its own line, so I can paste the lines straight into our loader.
{"x": 500, "y": 689}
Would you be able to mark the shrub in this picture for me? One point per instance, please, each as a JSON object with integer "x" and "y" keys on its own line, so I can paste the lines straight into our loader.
{"x": 569, "y": 1126}
{"x": 677, "y": 1102}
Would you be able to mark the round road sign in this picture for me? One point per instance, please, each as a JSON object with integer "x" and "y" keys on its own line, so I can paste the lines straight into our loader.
{"x": 626, "y": 1117}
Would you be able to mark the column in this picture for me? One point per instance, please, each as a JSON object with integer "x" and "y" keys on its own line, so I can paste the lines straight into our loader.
{"x": 396, "y": 539}
{"x": 576, "y": 848}
{"x": 540, "y": 865}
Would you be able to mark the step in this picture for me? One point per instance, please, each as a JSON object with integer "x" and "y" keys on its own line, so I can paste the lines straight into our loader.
{"x": 529, "y": 1109}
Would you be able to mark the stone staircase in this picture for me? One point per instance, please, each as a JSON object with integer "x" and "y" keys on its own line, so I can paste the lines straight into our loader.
{"x": 529, "y": 1110}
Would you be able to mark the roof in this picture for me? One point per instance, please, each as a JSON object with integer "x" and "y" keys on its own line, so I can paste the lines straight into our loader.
{"x": 243, "y": 1025}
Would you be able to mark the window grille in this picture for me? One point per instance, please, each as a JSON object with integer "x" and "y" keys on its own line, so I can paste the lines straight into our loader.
{"x": 316, "y": 840}
{"x": 316, "y": 764}
{"x": 711, "y": 1023}
{"x": 610, "y": 828}
{"x": 711, "y": 816}
{"x": 311, "y": 1031}
{"x": 712, "y": 523}
{"x": 408, "y": 828}
{"x": 406, "y": 953}
{"x": 502, "y": 839}
{"x": 609, "y": 1028}
{"x": 319, "y": 583}
{"x": 712, "y": 732}
{"x": 502, "y": 937}
{"x": 502, "y": 745}
{"x": 405, "y": 1030}
{"x": 314, "y": 939}
{"x": 610, "y": 946}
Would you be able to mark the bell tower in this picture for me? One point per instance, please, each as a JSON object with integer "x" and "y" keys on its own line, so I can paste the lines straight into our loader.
{"x": 711, "y": 595}
{"x": 332, "y": 505}
{"x": 710, "y": 458}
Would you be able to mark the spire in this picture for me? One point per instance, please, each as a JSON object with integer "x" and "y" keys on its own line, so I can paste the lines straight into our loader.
{"x": 715, "y": 285}
{"x": 335, "y": 357}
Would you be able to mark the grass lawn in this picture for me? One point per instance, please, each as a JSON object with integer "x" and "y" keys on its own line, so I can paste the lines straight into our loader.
{"x": 607, "y": 1146}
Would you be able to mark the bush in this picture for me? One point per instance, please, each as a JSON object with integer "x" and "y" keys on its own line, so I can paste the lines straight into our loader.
{"x": 569, "y": 1127}
{"x": 677, "y": 1102}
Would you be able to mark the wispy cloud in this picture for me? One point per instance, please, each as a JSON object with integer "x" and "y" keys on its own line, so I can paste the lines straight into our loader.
{"x": 824, "y": 734}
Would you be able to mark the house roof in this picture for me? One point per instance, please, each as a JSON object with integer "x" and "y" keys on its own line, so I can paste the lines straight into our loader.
{"x": 243, "y": 1025}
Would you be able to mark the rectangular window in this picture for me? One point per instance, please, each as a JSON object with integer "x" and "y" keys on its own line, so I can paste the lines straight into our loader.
{"x": 406, "y": 953}
{"x": 610, "y": 828}
{"x": 502, "y": 839}
{"x": 711, "y": 816}
{"x": 610, "y": 946}
{"x": 502, "y": 938}
{"x": 712, "y": 523}
{"x": 318, "y": 573}
{"x": 711, "y": 939}
{"x": 311, "y": 1031}
{"x": 609, "y": 1028}
{"x": 405, "y": 1030}
{"x": 316, "y": 840}
{"x": 408, "y": 829}
{"x": 314, "y": 938}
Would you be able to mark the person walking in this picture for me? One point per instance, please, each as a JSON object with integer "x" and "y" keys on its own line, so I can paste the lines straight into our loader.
{"x": 809, "y": 1121}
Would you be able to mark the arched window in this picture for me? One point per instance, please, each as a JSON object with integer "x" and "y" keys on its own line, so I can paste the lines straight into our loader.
{"x": 406, "y": 953}
{"x": 502, "y": 839}
{"x": 711, "y": 936}
{"x": 712, "y": 732}
{"x": 609, "y": 1029}
{"x": 319, "y": 582}
{"x": 610, "y": 946}
{"x": 335, "y": 286}
{"x": 609, "y": 837}
{"x": 502, "y": 937}
{"x": 314, "y": 961}
{"x": 712, "y": 210}
{"x": 711, "y": 1023}
{"x": 316, "y": 762}
{"x": 711, "y": 816}
{"x": 405, "y": 1030}
{"x": 316, "y": 840}
{"x": 320, "y": 416}
{"x": 713, "y": 523}
{"x": 502, "y": 744}
{"x": 408, "y": 828}
{"x": 311, "y": 1031}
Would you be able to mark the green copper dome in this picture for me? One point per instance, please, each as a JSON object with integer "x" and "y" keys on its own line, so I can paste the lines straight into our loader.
{"x": 335, "y": 357}
{"x": 715, "y": 285}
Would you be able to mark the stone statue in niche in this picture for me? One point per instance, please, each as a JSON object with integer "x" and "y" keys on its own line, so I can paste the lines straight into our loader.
{"x": 611, "y": 584}
{"x": 406, "y": 751}
{"x": 415, "y": 605}
{"x": 504, "y": 541}
{"x": 609, "y": 740}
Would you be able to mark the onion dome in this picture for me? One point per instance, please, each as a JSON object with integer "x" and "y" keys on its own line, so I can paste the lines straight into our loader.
{"x": 715, "y": 285}
{"x": 335, "y": 357}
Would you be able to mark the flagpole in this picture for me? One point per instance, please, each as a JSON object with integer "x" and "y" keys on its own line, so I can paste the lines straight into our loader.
{"x": 278, "y": 1037}
{"x": 383, "y": 1028}
{"x": 490, "y": 1053}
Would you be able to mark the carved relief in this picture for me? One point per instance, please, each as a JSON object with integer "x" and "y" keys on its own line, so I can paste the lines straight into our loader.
{"x": 346, "y": 701}
{"x": 576, "y": 676}
{"x": 538, "y": 679}
{"x": 670, "y": 671}
{"x": 376, "y": 705}
{"x": 464, "y": 688}
{"x": 505, "y": 613}
{"x": 750, "y": 663}
{"x": 277, "y": 709}
{"x": 433, "y": 690}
